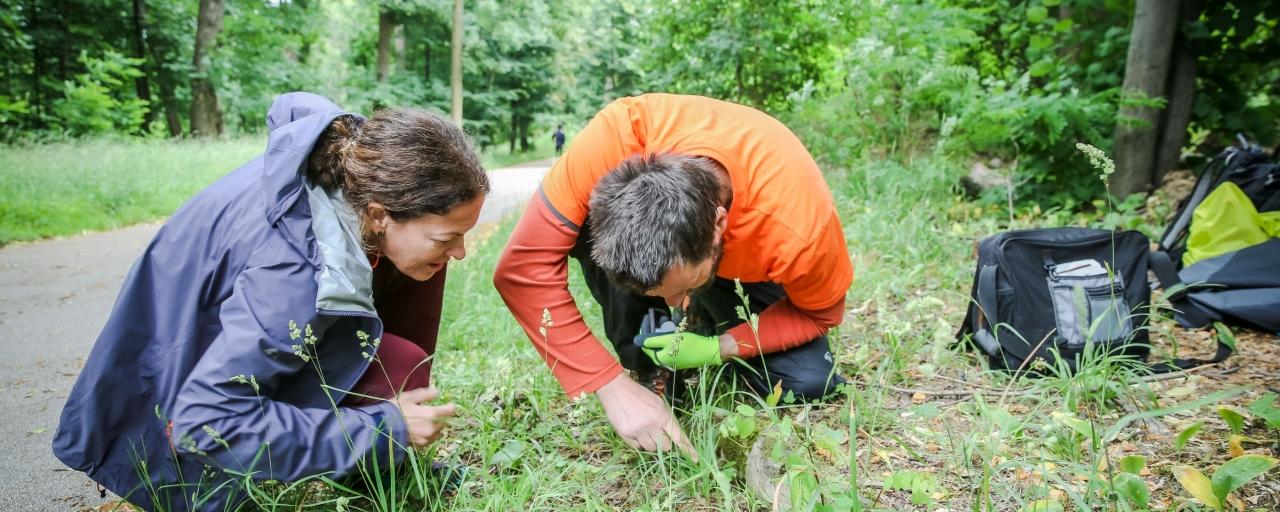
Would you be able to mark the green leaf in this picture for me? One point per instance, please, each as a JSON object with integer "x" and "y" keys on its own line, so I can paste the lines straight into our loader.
{"x": 1078, "y": 425}
{"x": 1238, "y": 471}
{"x": 1187, "y": 434}
{"x": 1265, "y": 407}
{"x": 920, "y": 484}
{"x": 1133, "y": 464}
{"x": 1234, "y": 419}
{"x": 775, "y": 395}
{"x": 1225, "y": 336}
{"x": 1037, "y": 14}
{"x": 745, "y": 410}
{"x": 510, "y": 452}
{"x": 1040, "y": 42}
{"x": 829, "y": 439}
{"x": 1041, "y": 68}
{"x": 1051, "y": 3}
{"x": 1063, "y": 26}
{"x": 1198, "y": 485}
{"x": 1132, "y": 488}
{"x": 1043, "y": 506}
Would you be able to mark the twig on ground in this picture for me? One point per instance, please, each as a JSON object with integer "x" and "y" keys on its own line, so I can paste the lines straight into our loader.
{"x": 1018, "y": 373}
{"x": 1176, "y": 375}
{"x": 1154, "y": 425}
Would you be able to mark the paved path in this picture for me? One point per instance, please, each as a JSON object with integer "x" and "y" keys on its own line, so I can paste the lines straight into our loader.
{"x": 54, "y": 298}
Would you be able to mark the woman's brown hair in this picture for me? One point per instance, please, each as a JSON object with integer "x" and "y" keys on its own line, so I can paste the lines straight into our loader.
{"x": 410, "y": 161}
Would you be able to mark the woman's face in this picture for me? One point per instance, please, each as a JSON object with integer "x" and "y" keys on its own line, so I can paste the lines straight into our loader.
{"x": 420, "y": 247}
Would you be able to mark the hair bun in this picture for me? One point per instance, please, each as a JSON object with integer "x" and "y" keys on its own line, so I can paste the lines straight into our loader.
{"x": 325, "y": 165}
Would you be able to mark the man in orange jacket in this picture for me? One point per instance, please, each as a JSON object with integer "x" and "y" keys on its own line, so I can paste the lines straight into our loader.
{"x": 666, "y": 200}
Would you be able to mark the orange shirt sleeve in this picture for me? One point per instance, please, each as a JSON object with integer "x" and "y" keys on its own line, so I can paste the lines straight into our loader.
{"x": 782, "y": 326}
{"x": 532, "y": 277}
{"x": 533, "y": 273}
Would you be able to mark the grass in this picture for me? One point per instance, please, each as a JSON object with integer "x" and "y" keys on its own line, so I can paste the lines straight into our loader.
{"x": 65, "y": 188}
{"x": 922, "y": 426}
{"x": 70, "y": 187}
{"x": 498, "y": 156}
{"x": 974, "y": 441}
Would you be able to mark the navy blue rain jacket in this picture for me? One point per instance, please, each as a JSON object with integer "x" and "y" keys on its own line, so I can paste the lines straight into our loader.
{"x": 198, "y": 374}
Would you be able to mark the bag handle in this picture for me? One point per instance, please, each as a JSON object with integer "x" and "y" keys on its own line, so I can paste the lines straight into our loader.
{"x": 987, "y": 305}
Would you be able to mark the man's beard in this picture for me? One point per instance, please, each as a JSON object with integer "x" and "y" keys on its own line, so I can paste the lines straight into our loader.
{"x": 718, "y": 254}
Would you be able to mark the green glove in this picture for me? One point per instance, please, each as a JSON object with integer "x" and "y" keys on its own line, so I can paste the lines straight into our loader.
{"x": 681, "y": 350}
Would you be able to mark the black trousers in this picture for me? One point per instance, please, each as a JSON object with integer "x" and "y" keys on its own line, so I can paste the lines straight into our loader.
{"x": 807, "y": 371}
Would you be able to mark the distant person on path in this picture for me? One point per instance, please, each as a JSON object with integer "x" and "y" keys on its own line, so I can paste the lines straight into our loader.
{"x": 283, "y": 321}
{"x": 665, "y": 200}
{"x": 558, "y": 136}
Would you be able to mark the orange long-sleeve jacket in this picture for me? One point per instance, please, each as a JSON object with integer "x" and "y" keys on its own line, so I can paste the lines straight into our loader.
{"x": 782, "y": 228}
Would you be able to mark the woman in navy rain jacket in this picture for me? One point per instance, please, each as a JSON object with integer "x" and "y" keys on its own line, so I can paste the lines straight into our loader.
{"x": 317, "y": 266}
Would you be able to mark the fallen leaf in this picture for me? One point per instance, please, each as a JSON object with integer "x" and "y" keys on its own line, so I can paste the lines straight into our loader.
{"x": 1197, "y": 484}
{"x": 918, "y": 398}
{"x": 1233, "y": 445}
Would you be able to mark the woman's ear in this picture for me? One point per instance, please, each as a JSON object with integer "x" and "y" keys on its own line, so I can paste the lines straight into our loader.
{"x": 377, "y": 216}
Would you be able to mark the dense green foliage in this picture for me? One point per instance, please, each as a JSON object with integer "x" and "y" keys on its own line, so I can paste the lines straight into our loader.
{"x": 1020, "y": 80}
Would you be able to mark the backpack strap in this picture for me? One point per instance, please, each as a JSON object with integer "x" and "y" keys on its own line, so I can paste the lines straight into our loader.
{"x": 1180, "y": 364}
{"x": 982, "y": 334}
{"x": 1176, "y": 293}
{"x": 1175, "y": 289}
{"x": 1206, "y": 181}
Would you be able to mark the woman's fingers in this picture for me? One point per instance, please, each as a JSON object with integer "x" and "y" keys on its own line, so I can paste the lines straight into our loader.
{"x": 441, "y": 411}
{"x": 418, "y": 395}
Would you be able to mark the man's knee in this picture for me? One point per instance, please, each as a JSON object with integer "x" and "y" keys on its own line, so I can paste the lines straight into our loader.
{"x": 811, "y": 386}
{"x": 808, "y": 372}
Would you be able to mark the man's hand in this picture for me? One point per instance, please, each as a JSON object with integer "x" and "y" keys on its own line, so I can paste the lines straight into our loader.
{"x": 424, "y": 422}
{"x": 641, "y": 418}
{"x": 681, "y": 350}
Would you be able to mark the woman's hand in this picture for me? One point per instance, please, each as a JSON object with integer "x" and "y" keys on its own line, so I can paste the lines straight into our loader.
{"x": 425, "y": 422}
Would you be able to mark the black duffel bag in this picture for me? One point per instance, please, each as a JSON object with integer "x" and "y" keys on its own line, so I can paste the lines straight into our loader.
{"x": 1045, "y": 293}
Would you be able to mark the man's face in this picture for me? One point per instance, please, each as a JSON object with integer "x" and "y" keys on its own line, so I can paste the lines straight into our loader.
{"x": 684, "y": 279}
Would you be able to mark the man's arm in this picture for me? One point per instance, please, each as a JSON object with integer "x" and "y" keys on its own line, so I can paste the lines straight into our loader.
{"x": 533, "y": 277}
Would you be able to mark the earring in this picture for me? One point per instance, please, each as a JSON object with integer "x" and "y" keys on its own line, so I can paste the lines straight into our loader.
{"x": 377, "y": 252}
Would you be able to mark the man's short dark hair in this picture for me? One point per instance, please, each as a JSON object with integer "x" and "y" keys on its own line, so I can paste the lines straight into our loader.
{"x": 650, "y": 213}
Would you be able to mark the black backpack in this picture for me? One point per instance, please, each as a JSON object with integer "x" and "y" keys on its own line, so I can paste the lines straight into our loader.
{"x": 1043, "y": 293}
{"x": 1237, "y": 288}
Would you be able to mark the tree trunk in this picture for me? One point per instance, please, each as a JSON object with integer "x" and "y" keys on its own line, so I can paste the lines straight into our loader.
{"x": 165, "y": 82}
{"x": 206, "y": 115}
{"x": 1145, "y": 74}
{"x": 524, "y": 135}
{"x": 65, "y": 40}
{"x": 455, "y": 79}
{"x": 142, "y": 84}
{"x": 171, "y": 117}
{"x": 37, "y": 92}
{"x": 402, "y": 41}
{"x": 514, "y": 128}
{"x": 426, "y": 62}
{"x": 386, "y": 29}
{"x": 1181, "y": 91}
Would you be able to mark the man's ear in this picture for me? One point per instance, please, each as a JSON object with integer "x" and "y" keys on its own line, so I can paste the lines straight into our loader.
{"x": 722, "y": 222}
{"x": 377, "y": 215}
